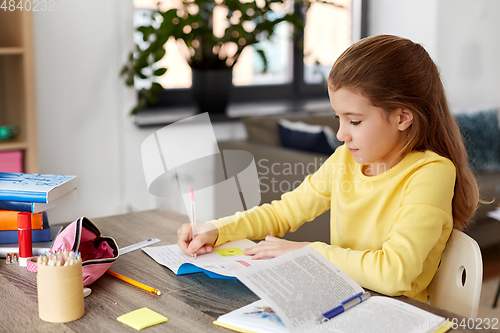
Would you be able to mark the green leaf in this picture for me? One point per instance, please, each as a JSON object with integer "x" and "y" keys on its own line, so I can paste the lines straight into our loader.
{"x": 142, "y": 29}
{"x": 156, "y": 87}
{"x": 169, "y": 15}
{"x": 130, "y": 80}
{"x": 169, "y": 25}
{"x": 142, "y": 62}
{"x": 159, "y": 54}
{"x": 264, "y": 60}
{"x": 124, "y": 70}
{"x": 160, "y": 71}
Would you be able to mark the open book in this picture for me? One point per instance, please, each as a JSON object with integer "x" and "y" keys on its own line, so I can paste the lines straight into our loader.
{"x": 298, "y": 287}
{"x": 222, "y": 262}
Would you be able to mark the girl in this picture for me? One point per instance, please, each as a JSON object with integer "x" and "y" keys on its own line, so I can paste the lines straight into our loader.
{"x": 395, "y": 189}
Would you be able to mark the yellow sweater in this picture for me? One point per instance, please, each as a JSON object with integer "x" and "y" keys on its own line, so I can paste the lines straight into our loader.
{"x": 388, "y": 232}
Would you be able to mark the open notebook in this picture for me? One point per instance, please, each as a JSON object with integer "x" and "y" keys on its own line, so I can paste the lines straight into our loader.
{"x": 221, "y": 263}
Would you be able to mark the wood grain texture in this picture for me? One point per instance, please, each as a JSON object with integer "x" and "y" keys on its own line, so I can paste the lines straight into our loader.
{"x": 190, "y": 302}
{"x": 10, "y": 28}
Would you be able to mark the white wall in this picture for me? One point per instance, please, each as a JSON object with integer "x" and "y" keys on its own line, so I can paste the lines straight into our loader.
{"x": 137, "y": 196}
{"x": 463, "y": 38}
{"x": 413, "y": 19}
{"x": 84, "y": 126}
{"x": 82, "y": 104}
{"x": 469, "y": 51}
{"x": 81, "y": 100}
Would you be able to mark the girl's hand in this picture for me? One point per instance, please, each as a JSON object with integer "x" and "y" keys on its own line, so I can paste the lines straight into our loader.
{"x": 273, "y": 247}
{"x": 203, "y": 241}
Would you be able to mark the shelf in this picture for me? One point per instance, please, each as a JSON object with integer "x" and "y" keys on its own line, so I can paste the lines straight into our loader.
{"x": 17, "y": 88}
{"x": 11, "y": 50}
{"x": 11, "y": 28}
{"x": 12, "y": 92}
{"x": 13, "y": 145}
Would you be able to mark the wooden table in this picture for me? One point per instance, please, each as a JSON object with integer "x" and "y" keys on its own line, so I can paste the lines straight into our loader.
{"x": 191, "y": 302}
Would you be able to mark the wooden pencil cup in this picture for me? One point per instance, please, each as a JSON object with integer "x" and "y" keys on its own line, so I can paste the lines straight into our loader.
{"x": 60, "y": 293}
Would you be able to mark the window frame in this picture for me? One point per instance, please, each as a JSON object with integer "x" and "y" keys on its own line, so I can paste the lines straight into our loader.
{"x": 296, "y": 90}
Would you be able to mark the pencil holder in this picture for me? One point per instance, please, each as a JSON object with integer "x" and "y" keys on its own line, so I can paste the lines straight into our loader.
{"x": 60, "y": 293}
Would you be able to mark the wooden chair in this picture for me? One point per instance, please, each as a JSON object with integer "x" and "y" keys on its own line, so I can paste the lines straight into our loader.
{"x": 456, "y": 287}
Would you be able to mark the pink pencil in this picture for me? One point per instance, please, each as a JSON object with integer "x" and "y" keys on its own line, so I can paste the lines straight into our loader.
{"x": 193, "y": 215}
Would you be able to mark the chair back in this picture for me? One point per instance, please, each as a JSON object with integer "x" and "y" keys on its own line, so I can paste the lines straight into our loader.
{"x": 456, "y": 287}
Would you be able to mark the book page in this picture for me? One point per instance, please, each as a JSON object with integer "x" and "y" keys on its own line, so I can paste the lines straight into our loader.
{"x": 300, "y": 286}
{"x": 223, "y": 260}
{"x": 254, "y": 317}
{"x": 380, "y": 314}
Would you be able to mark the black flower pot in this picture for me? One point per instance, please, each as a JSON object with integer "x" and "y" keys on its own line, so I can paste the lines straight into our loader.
{"x": 212, "y": 89}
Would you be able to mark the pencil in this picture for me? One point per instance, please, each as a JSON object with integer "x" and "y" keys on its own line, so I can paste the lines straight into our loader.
{"x": 133, "y": 282}
{"x": 193, "y": 215}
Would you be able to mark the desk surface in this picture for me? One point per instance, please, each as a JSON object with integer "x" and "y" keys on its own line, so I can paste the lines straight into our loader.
{"x": 191, "y": 302}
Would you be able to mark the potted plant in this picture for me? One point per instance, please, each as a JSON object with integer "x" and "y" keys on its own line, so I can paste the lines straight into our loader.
{"x": 249, "y": 22}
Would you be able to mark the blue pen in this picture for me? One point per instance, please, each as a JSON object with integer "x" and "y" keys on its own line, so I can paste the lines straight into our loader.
{"x": 345, "y": 305}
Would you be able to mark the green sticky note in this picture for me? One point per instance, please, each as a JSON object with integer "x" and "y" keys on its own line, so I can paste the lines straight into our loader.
{"x": 231, "y": 252}
{"x": 141, "y": 318}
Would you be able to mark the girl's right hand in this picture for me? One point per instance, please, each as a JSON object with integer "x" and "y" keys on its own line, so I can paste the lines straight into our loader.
{"x": 202, "y": 243}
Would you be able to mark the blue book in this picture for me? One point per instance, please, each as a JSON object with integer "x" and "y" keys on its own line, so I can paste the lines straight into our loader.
{"x": 37, "y": 207}
{"x": 38, "y": 247}
{"x": 28, "y": 187}
{"x": 37, "y": 235}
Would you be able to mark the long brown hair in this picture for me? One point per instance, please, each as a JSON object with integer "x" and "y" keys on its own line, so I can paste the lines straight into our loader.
{"x": 394, "y": 73}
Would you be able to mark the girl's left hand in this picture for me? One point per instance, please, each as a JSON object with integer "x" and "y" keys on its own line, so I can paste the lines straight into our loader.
{"x": 273, "y": 247}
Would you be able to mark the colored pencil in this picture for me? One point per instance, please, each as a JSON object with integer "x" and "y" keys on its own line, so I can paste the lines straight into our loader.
{"x": 133, "y": 282}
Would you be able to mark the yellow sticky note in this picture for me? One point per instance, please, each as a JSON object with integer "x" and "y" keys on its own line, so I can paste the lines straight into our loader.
{"x": 234, "y": 251}
{"x": 141, "y": 318}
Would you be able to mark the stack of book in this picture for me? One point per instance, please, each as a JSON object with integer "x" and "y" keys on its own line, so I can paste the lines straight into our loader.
{"x": 32, "y": 193}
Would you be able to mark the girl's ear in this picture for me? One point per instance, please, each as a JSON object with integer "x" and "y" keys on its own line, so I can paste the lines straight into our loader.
{"x": 405, "y": 119}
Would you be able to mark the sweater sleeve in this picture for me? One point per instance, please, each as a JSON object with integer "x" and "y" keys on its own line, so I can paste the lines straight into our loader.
{"x": 421, "y": 228}
{"x": 310, "y": 199}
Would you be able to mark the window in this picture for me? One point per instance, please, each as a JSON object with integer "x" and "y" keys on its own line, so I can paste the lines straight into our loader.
{"x": 327, "y": 34}
{"x": 293, "y": 72}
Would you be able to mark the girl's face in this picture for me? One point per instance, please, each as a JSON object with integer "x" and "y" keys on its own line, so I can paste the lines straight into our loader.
{"x": 373, "y": 137}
